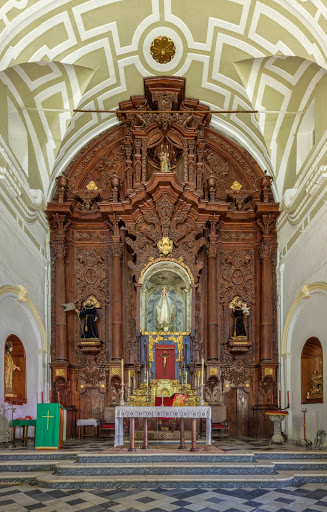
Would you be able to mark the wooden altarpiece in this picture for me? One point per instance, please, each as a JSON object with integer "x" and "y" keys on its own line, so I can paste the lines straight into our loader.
{"x": 111, "y": 208}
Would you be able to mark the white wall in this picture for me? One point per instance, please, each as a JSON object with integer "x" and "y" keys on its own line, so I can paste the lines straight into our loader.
{"x": 304, "y": 265}
{"x": 22, "y": 264}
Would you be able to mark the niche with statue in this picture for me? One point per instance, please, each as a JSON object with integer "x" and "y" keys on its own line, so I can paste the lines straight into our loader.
{"x": 166, "y": 298}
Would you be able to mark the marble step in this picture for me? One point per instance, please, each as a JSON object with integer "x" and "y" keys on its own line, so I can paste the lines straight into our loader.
{"x": 29, "y": 465}
{"x": 307, "y": 455}
{"x": 142, "y": 456}
{"x": 164, "y": 469}
{"x": 176, "y": 481}
{"x": 6, "y": 455}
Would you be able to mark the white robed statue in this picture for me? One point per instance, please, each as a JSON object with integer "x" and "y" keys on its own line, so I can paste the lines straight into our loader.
{"x": 165, "y": 312}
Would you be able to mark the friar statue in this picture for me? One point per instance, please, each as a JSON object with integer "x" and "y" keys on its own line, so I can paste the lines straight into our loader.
{"x": 90, "y": 314}
{"x": 165, "y": 312}
{"x": 10, "y": 367}
{"x": 240, "y": 311}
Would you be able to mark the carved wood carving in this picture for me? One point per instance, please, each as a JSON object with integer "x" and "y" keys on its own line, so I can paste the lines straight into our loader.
{"x": 113, "y": 206}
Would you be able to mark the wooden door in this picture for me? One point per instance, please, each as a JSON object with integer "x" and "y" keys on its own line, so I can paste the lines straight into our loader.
{"x": 237, "y": 403}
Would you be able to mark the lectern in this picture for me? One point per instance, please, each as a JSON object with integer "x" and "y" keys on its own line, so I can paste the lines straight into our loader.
{"x": 49, "y": 426}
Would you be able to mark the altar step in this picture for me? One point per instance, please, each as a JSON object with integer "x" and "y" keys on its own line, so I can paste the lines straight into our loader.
{"x": 76, "y": 470}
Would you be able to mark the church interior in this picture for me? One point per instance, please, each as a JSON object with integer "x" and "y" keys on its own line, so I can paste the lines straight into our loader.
{"x": 163, "y": 189}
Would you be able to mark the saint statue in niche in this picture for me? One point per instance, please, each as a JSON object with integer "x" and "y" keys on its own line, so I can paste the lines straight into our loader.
{"x": 316, "y": 383}
{"x": 10, "y": 367}
{"x": 164, "y": 161}
{"x": 90, "y": 314}
{"x": 165, "y": 312}
{"x": 240, "y": 311}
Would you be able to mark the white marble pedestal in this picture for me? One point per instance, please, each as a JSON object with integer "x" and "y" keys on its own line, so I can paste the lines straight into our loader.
{"x": 277, "y": 417}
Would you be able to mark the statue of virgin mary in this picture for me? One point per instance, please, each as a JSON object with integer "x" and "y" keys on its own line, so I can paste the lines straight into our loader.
{"x": 165, "y": 312}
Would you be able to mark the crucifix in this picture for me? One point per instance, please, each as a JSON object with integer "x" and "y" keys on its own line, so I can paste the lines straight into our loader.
{"x": 48, "y": 417}
{"x": 165, "y": 357}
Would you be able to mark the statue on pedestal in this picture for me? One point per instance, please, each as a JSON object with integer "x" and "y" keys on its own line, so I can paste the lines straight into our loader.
{"x": 10, "y": 367}
{"x": 240, "y": 311}
{"x": 164, "y": 161}
{"x": 165, "y": 312}
{"x": 90, "y": 314}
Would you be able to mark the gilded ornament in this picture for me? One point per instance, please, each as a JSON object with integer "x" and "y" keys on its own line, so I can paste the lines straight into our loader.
{"x": 91, "y": 186}
{"x": 213, "y": 371}
{"x": 165, "y": 246}
{"x": 162, "y": 49}
{"x": 236, "y": 186}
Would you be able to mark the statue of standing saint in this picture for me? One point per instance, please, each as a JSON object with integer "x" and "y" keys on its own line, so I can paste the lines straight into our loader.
{"x": 10, "y": 367}
{"x": 164, "y": 161}
{"x": 165, "y": 312}
{"x": 90, "y": 314}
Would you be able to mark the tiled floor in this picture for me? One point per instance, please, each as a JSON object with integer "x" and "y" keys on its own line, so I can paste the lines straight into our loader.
{"x": 308, "y": 498}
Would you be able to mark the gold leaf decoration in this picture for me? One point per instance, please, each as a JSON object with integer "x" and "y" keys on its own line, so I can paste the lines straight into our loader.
{"x": 236, "y": 186}
{"x": 91, "y": 186}
{"x": 162, "y": 49}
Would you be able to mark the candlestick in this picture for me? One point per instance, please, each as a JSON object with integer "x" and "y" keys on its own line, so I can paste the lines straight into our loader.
{"x": 122, "y": 372}
{"x": 202, "y": 372}
{"x": 58, "y": 397}
{"x": 42, "y": 396}
{"x": 49, "y": 396}
{"x": 279, "y": 399}
{"x": 288, "y": 398}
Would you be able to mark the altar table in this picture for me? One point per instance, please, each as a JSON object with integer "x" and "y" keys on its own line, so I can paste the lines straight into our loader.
{"x": 193, "y": 413}
{"x": 24, "y": 424}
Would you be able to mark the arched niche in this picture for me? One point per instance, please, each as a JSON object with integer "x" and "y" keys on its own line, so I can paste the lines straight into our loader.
{"x": 177, "y": 280}
{"x": 18, "y": 393}
{"x": 312, "y": 372}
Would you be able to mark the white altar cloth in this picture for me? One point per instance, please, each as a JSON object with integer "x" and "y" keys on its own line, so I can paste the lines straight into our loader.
{"x": 126, "y": 411}
{"x": 90, "y": 422}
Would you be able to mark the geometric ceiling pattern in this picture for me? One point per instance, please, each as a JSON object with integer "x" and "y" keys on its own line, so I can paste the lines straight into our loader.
{"x": 59, "y": 55}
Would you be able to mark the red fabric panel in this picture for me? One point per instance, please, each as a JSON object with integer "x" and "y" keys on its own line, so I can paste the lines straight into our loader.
{"x": 167, "y": 372}
{"x": 112, "y": 425}
{"x": 216, "y": 425}
{"x": 166, "y": 401}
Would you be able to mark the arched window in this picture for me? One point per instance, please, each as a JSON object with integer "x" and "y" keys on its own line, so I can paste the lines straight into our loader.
{"x": 312, "y": 372}
{"x": 15, "y": 371}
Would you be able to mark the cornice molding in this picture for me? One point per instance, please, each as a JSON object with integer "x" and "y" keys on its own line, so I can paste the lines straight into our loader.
{"x": 23, "y": 297}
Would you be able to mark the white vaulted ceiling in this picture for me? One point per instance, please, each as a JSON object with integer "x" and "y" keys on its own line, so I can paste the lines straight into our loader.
{"x": 59, "y": 55}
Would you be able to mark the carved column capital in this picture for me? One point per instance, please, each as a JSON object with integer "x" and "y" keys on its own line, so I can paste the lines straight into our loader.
{"x": 116, "y": 249}
{"x": 212, "y": 249}
{"x": 267, "y": 224}
{"x": 59, "y": 249}
{"x": 265, "y": 250}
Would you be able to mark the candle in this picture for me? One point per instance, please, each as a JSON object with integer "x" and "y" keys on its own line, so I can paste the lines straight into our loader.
{"x": 288, "y": 398}
{"x": 129, "y": 378}
{"x": 202, "y": 372}
{"x": 122, "y": 372}
{"x": 147, "y": 378}
{"x": 58, "y": 397}
{"x": 42, "y": 396}
{"x": 279, "y": 399}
